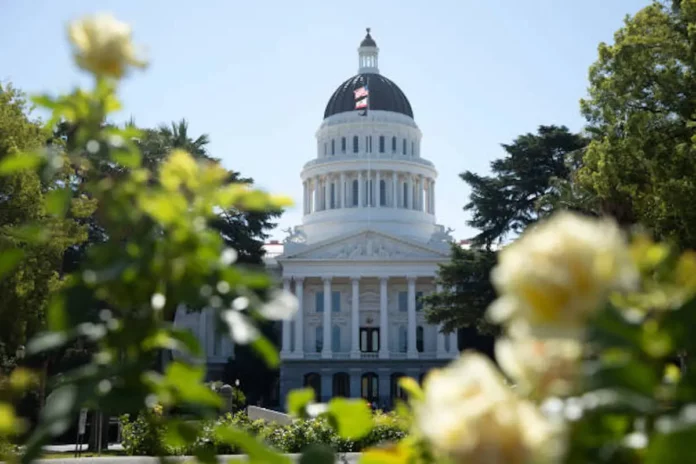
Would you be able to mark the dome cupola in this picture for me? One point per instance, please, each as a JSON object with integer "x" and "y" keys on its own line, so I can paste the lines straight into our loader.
{"x": 384, "y": 95}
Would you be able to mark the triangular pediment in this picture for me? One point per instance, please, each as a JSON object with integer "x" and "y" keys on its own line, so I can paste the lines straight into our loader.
{"x": 367, "y": 245}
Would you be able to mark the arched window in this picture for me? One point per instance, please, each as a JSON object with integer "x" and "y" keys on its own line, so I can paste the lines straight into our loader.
{"x": 403, "y": 339}
{"x": 396, "y": 391}
{"x": 336, "y": 339}
{"x": 319, "y": 337}
{"x": 404, "y": 147}
{"x": 419, "y": 338}
{"x": 369, "y": 386}
{"x": 405, "y": 205}
{"x": 394, "y": 144}
{"x": 381, "y": 144}
{"x": 382, "y": 192}
{"x": 355, "y": 144}
{"x": 356, "y": 186}
{"x": 343, "y": 144}
{"x": 313, "y": 381}
{"x": 333, "y": 147}
{"x": 341, "y": 385}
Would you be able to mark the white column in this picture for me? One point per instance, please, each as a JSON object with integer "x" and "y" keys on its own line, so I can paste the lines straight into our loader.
{"x": 286, "y": 323}
{"x": 342, "y": 193}
{"x": 419, "y": 189}
{"x": 409, "y": 194}
{"x": 412, "y": 352}
{"x": 432, "y": 186}
{"x": 327, "y": 193}
{"x": 355, "y": 320}
{"x": 326, "y": 351}
{"x": 317, "y": 193}
{"x": 378, "y": 193}
{"x": 361, "y": 187}
{"x": 441, "y": 351}
{"x": 395, "y": 190}
{"x": 383, "y": 319}
{"x": 299, "y": 318}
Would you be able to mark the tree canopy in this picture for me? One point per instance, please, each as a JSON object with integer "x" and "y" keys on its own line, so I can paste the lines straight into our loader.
{"x": 508, "y": 200}
{"x": 641, "y": 162}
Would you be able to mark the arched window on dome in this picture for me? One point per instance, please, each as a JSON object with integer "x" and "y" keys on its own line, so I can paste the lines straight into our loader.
{"x": 404, "y": 147}
{"x": 333, "y": 147}
{"x": 355, "y": 192}
{"x": 355, "y": 144}
{"x": 381, "y": 144}
{"x": 382, "y": 193}
{"x": 394, "y": 144}
{"x": 343, "y": 144}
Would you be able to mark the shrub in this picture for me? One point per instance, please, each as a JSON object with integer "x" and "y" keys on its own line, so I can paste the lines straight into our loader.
{"x": 143, "y": 436}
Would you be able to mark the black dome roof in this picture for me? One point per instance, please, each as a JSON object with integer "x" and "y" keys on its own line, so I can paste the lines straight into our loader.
{"x": 384, "y": 95}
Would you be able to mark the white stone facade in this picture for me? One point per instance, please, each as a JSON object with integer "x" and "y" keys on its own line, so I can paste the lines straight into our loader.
{"x": 368, "y": 248}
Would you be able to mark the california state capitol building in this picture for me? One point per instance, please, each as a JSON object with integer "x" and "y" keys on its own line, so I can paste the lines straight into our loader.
{"x": 367, "y": 250}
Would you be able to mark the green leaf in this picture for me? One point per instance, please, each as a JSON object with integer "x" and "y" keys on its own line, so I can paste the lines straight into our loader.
{"x": 10, "y": 259}
{"x": 352, "y": 417}
{"x": 46, "y": 101}
{"x": 186, "y": 340}
{"x": 56, "y": 316}
{"x": 267, "y": 351}
{"x": 298, "y": 400}
{"x": 186, "y": 382}
{"x": 19, "y": 162}
{"x": 57, "y": 202}
{"x": 318, "y": 454}
{"x": 180, "y": 433}
{"x": 672, "y": 448}
{"x": 30, "y": 233}
{"x": 128, "y": 158}
{"x": 411, "y": 387}
{"x": 254, "y": 449}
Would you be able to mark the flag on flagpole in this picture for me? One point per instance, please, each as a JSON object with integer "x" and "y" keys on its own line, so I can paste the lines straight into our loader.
{"x": 360, "y": 104}
{"x": 361, "y": 92}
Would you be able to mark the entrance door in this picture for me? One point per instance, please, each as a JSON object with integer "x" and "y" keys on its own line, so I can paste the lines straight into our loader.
{"x": 369, "y": 339}
{"x": 369, "y": 387}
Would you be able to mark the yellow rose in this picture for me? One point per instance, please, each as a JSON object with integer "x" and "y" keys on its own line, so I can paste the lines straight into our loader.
{"x": 541, "y": 367}
{"x": 470, "y": 415}
{"x": 561, "y": 271}
{"x": 102, "y": 45}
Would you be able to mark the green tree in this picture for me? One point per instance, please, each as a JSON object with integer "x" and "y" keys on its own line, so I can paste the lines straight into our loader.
{"x": 641, "y": 163}
{"x": 533, "y": 178}
{"x": 25, "y": 290}
{"x": 508, "y": 200}
{"x": 467, "y": 291}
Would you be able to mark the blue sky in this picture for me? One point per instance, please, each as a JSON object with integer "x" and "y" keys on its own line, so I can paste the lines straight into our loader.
{"x": 256, "y": 76}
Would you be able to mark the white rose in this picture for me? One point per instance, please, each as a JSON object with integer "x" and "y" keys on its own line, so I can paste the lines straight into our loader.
{"x": 103, "y": 46}
{"x": 468, "y": 414}
{"x": 561, "y": 271}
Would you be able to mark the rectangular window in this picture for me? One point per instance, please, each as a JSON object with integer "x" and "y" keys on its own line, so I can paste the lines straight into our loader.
{"x": 333, "y": 147}
{"x": 319, "y": 302}
{"x": 336, "y": 302}
{"x": 394, "y": 144}
{"x": 370, "y": 139}
{"x": 381, "y": 144}
{"x": 413, "y": 148}
{"x": 319, "y": 336}
{"x": 325, "y": 148}
{"x": 419, "y": 303}
{"x": 369, "y": 339}
{"x": 403, "y": 301}
{"x": 355, "y": 144}
{"x": 333, "y": 196}
{"x": 404, "y": 147}
{"x": 343, "y": 144}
